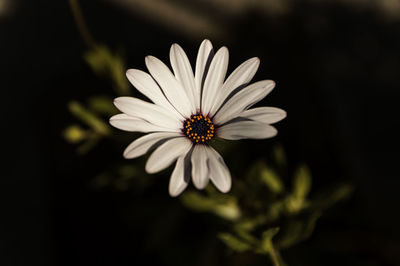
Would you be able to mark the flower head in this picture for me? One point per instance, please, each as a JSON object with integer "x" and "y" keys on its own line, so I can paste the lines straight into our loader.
{"x": 189, "y": 110}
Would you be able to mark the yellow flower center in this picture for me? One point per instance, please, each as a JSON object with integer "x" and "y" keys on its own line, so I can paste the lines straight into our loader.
{"x": 199, "y": 128}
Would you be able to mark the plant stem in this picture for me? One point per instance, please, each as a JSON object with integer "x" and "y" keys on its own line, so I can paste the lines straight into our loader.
{"x": 275, "y": 257}
{"x": 81, "y": 24}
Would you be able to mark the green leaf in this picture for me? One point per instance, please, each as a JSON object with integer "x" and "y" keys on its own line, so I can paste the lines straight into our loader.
{"x": 251, "y": 223}
{"x": 102, "y": 105}
{"x": 297, "y": 230}
{"x": 259, "y": 176}
{"x": 302, "y": 182}
{"x": 269, "y": 178}
{"x": 223, "y": 206}
{"x": 341, "y": 192}
{"x": 275, "y": 209}
{"x": 234, "y": 243}
{"x": 105, "y": 63}
{"x": 246, "y": 235}
{"x": 75, "y": 134}
{"x": 89, "y": 118}
{"x": 266, "y": 239}
{"x": 336, "y": 194}
{"x": 296, "y": 201}
{"x": 90, "y": 143}
{"x": 228, "y": 210}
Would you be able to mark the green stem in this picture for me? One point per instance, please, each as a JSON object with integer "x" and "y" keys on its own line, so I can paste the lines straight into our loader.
{"x": 275, "y": 257}
{"x": 81, "y": 24}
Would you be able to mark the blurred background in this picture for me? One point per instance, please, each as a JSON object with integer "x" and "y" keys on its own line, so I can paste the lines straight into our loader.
{"x": 336, "y": 65}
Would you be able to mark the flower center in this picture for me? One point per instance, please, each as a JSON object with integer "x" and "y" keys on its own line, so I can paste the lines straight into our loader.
{"x": 198, "y": 128}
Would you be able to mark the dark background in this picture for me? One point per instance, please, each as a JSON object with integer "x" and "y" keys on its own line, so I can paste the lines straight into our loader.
{"x": 336, "y": 66}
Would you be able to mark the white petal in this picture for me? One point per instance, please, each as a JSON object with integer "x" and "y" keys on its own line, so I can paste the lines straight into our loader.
{"x": 214, "y": 80}
{"x": 199, "y": 167}
{"x": 183, "y": 72}
{"x": 239, "y": 77}
{"x": 167, "y": 153}
{"x": 152, "y": 113}
{"x": 268, "y": 115}
{"x": 144, "y": 83}
{"x": 133, "y": 124}
{"x": 143, "y": 144}
{"x": 246, "y": 130}
{"x": 243, "y": 100}
{"x": 218, "y": 171}
{"x": 172, "y": 89}
{"x": 204, "y": 55}
{"x": 179, "y": 180}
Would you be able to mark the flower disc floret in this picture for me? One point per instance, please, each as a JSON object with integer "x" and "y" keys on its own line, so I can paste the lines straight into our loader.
{"x": 199, "y": 128}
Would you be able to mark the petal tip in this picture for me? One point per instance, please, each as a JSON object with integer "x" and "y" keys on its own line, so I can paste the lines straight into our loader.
{"x": 256, "y": 60}
{"x": 125, "y": 155}
{"x": 148, "y": 169}
{"x": 225, "y": 189}
{"x": 130, "y": 72}
{"x": 270, "y": 84}
{"x": 173, "y": 192}
{"x": 176, "y": 50}
{"x": 175, "y": 46}
{"x": 119, "y": 100}
{"x": 206, "y": 42}
{"x": 200, "y": 186}
{"x": 224, "y": 50}
{"x": 273, "y": 133}
{"x": 148, "y": 59}
{"x": 173, "y": 195}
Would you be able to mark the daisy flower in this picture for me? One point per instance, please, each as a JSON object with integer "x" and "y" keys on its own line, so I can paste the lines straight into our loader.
{"x": 189, "y": 110}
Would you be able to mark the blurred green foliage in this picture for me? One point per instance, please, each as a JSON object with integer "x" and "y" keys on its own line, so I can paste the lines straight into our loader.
{"x": 269, "y": 215}
{"x": 94, "y": 114}
{"x": 90, "y": 118}
{"x": 222, "y": 205}
{"x": 93, "y": 122}
{"x": 105, "y": 63}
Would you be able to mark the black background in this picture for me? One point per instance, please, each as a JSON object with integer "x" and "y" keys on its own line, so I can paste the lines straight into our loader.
{"x": 337, "y": 73}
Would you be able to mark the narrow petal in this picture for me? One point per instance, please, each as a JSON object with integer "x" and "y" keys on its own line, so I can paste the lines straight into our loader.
{"x": 243, "y": 100}
{"x": 144, "y": 83}
{"x": 133, "y": 124}
{"x": 183, "y": 72}
{"x": 268, "y": 115}
{"x": 143, "y": 144}
{"x": 242, "y": 75}
{"x": 172, "y": 89}
{"x": 167, "y": 153}
{"x": 218, "y": 171}
{"x": 179, "y": 178}
{"x": 214, "y": 80}
{"x": 199, "y": 167}
{"x": 204, "y": 57}
{"x": 246, "y": 130}
{"x": 147, "y": 111}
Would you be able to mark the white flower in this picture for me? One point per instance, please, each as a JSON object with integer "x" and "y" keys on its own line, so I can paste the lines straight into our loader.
{"x": 190, "y": 110}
